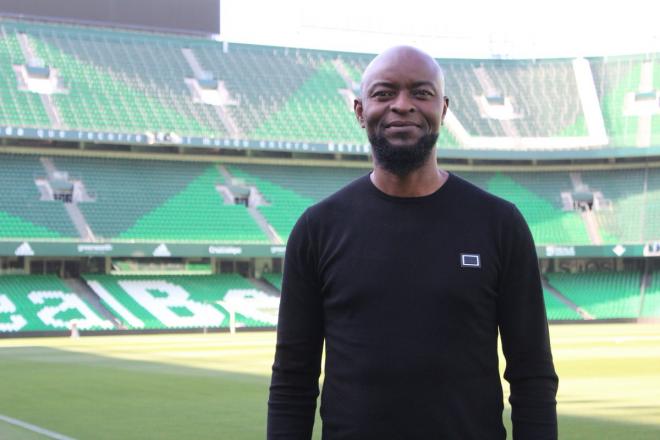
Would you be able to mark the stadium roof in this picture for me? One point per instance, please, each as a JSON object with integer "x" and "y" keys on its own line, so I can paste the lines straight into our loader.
{"x": 460, "y": 29}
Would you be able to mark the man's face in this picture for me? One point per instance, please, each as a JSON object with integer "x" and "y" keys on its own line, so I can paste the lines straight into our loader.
{"x": 402, "y": 101}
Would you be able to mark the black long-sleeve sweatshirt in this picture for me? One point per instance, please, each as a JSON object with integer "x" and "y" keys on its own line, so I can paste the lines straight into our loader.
{"x": 408, "y": 295}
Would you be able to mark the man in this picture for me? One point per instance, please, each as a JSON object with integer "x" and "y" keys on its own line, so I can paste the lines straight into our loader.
{"x": 407, "y": 274}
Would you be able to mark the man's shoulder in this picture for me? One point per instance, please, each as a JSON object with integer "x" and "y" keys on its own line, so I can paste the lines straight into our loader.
{"x": 342, "y": 199}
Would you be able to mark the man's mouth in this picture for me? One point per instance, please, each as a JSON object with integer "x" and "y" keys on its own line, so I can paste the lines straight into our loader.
{"x": 400, "y": 124}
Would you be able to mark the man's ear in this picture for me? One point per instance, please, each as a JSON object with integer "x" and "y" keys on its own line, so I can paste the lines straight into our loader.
{"x": 445, "y": 107}
{"x": 357, "y": 108}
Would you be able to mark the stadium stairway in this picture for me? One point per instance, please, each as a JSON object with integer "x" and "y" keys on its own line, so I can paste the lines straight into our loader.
{"x": 559, "y": 296}
{"x": 77, "y": 217}
{"x": 254, "y": 212}
{"x": 79, "y": 287}
{"x": 650, "y": 297}
{"x": 588, "y": 216}
{"x": 264, "y": 286}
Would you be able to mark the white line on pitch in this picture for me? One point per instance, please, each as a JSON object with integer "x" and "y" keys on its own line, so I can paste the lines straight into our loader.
{"x": 34, "y": 428}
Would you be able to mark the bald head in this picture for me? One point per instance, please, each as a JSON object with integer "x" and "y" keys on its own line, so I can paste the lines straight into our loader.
{"x": 401, "y": 55}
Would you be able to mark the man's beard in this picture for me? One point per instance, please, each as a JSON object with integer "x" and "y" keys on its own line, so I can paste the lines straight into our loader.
{"x": 402, "y": 160}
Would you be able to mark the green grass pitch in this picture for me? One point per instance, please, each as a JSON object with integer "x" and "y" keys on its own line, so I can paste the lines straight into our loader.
{"x": 215, "y": 386}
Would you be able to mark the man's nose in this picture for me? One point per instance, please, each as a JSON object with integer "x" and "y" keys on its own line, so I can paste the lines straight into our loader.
{"x": 402, "y": 104}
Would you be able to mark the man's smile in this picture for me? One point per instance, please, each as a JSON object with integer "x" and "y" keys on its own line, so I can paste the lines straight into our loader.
{"x": 398, "y": 124}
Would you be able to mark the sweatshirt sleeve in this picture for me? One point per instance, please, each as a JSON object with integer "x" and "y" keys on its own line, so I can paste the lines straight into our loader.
{"x": 295, "y": 380}
{"x": 525, "y": 340}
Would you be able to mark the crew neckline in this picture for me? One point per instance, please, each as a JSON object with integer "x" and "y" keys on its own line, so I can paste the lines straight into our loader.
{"x": 408, "y": 199}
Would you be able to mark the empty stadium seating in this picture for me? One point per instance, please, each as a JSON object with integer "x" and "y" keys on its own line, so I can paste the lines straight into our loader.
{"x": 614, "y": 77}
{"x": 538, "y": 196}
{"x": 290, "y": 190}
{"x": 136, "y": 82}
{"x": 18, "y": 107}
{"x": 526, "y": 85}
{"x": 131, "y": 199}
{"x": 142, "y": 200}
{"x": 557, "y": 310}
{"x": 134, "y": 85}
{"x": 624, "y": 193}
{"x": 22, "y": 213}
{"x": 604, "y": 295}
{"x": 44, "y": 303}
{"x": 122, "y": 81}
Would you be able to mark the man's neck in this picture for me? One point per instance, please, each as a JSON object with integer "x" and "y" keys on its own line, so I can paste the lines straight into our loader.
{"x": 418, "y": 183}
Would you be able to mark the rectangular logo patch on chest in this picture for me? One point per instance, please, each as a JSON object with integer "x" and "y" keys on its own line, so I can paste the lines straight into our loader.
{"x": 471, "y": 260}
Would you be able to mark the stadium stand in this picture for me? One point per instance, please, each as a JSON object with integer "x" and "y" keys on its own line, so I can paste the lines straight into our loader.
{"x": 118, "y": 81}
{"x": 44, "y": 303}
{"x": 614, "y": 78}
{"x": 604, "y": 295}
{"x": 316, "y": 111}
{"x": 134, "y": 85}
{"x": 143, "y": 200}
{"x": 538, "y": 195}
{"x": 629, "y": 200}
{"x": 18, "y": 108}
{"x": 520, "y": 88}
{"x": 624, "y": 94}
{"x": 623, "y": 193}
{"x": 127, "y": 199}
{"x": 22, "y": 213}
{"x": 539, "y": 199}
{"x": 290, "y": 190}
{"x": 184, "y": 301}
{"x": 260, "y": 78}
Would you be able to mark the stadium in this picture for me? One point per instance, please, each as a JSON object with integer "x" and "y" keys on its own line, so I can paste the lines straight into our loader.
{"x": 151, "y": 177}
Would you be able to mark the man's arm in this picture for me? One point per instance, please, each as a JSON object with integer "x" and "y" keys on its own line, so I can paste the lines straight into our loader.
{"x": 295, "y": 382}
{"x": 525, "y": 340}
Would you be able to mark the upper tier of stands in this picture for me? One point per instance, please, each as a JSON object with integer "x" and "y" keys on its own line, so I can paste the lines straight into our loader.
{"x": 18, "y": 108}
{"x": 617, "y": 80}
{"x": 543, "y": 94}
{"x": 142, "y": 200}
{"x": 130, "y": 82}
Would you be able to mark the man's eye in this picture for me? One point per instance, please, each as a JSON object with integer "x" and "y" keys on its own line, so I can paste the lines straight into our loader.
{"x": 422, "y": 92}
{"x": 382, "y": 93}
